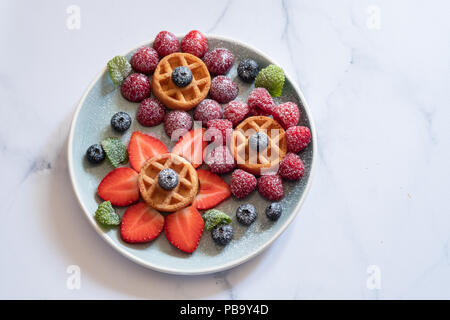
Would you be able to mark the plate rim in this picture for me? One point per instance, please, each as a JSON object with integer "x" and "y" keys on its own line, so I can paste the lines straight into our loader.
{"x": 197, "y": 271}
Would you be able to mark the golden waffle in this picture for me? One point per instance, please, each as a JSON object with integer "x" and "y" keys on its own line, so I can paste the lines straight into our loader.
{"x": 168, "y": 200}
{"x": 181, "y": 98}
{"x": 263, "y": 161}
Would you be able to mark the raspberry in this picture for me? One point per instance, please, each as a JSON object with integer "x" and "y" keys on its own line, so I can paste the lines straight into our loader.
{"x": 247, "y": 70}
{"x": 121, "y": 121}
{"x": 145, "y": 60}
{"x": 291, "y": 167}
{"x": 118, "y": 69}
{"x": 242, "y": 183}
{"x": 235, "y": 111}
{"x": 271, "y": 187}
{"x": 219, "y": 60}
{"x": 287, "y": 114}
{"x": 195, "y": 43}
{"x": 136, "y": 87}
{"x": 166, "y": 43}
{"x": 151, "y": 112}
{"x": 207, "y": 110}
{"x": 179, "y": 121}
{"x": 298, "y": 138}
{"x": 220, "y": 160}
{"x": 220, "y": 129}
{"x": 223, "y": 89}
{"x": 260, "y": 102}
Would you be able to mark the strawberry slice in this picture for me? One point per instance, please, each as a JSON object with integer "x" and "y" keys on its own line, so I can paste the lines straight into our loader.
{"x": 120, "y": 187}
{"x": 141, "y": 223}
{"x": 184, "y": 228}
{"x": 191, "y": 146}
{"x": 143, "y": 147}
{"x": 213, "y": 190}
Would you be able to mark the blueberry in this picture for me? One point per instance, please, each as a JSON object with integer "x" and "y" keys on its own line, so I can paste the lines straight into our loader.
{"x": 167, "y": 179}
{"x": 248, "y": 70}
{"x": 246, "y": 214}
{"x": 181, "y": 76}
{"x": 273, "y": 211}
{"x": 95, "y": 154}
{"x": 222, "y": 234}
{"x": 121, "y": 121}
{"x": 258, "y": 141}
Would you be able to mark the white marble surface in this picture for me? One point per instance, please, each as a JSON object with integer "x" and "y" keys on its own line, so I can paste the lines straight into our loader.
{"x": 380, "y": 98}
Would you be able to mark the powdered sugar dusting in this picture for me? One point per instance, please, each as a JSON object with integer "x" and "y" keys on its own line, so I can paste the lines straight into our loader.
{"x": 151, "y": 112}
{"x": 102, "y": 101}
{"x": 136, "y": 87}
{"x": 166, "y": 43}
{"x": 236, "y": 111}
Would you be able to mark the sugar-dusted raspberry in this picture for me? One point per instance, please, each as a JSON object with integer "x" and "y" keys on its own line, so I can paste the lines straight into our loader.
{"x": 298, "y": 138}
{"x": 260, "y": 102}
{"x": 166, "y": 43}
{"x": 271, "y": 187}
{"x": 235, "y": 111}
{"x": 219, "y": 130}
{"x": 151, "y": 112}
{"x": 287, "y": 114}
{"x": 242, "y": 183}
{"x": 145, "y": 60}
{"x": 195, "y": 43}
{"x": 219, "y": 60}
{"x": 207, "y": 110}
{"x": 223, "y": 89}
{"x": 291, "y": 167}
{"x": 136, "y": 87}
{"x": 179, "y": 121}
{"x": 220, "y": 160}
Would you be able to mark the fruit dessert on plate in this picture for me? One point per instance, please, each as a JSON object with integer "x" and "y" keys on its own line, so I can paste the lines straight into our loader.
{"x": 217, "y": 137}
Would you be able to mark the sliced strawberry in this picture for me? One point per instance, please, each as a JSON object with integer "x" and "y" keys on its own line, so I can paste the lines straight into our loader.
{"x": 120, "y": 186}
{"x": 191, "y": 146}
{"x": 184, "y": 228}
{"x": 141, "y": 223}
{"x": 143, "y": 147}
{"x": 213, "y": 190}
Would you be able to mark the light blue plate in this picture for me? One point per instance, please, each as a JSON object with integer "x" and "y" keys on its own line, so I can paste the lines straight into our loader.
{"x": 91, "y": 124}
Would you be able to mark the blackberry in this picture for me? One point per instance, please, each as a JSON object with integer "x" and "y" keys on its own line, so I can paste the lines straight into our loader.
{"x": 181, "y": 76}
{"x": 258, "y": 141}
{"x": 167, "y": 179}
{"x": 248, "y": 70}
{"x": 273, "y": 211}
{"x": 121, "y": 121}
{"x": 222, "y": 234}
{"x": 95, "y": 154}
{"x": 246, "y": 214}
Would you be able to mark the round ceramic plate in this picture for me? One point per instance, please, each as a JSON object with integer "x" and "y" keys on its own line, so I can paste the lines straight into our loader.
{"x": 91, "y": 124}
